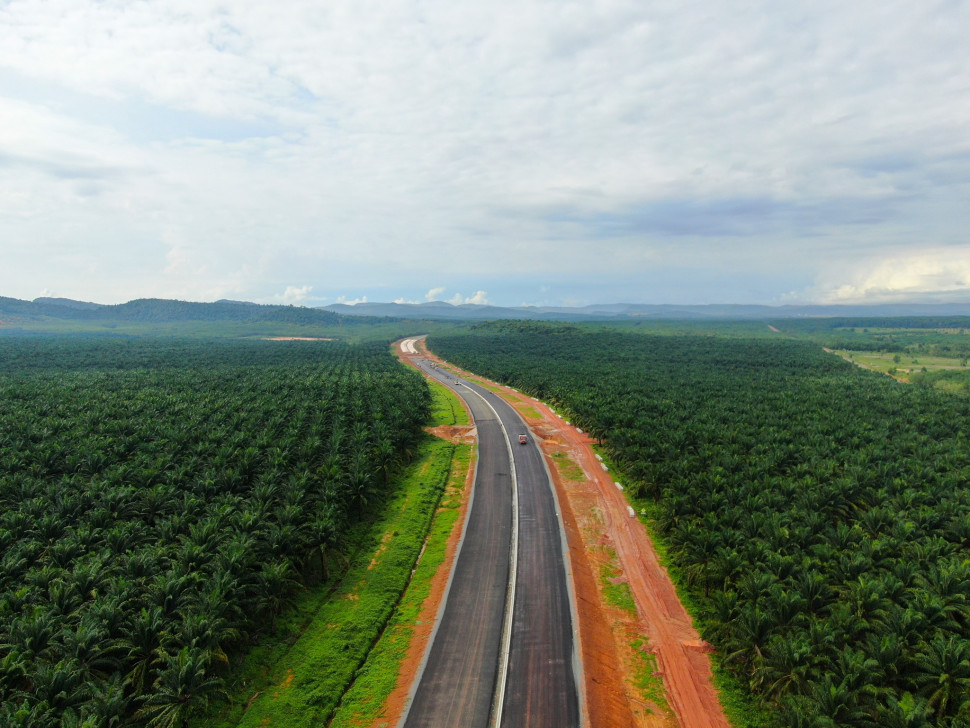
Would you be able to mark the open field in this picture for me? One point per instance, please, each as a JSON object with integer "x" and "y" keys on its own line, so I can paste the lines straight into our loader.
{"x": 902, "y": 366}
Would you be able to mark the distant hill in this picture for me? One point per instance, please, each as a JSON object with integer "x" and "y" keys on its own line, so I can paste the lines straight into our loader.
{"x": 156, "y": 310}
{"x": 159, "y": 311}
{"x": 626, "y": 311}
{"x": 438, "y": 310}
{"x": 68, "y": 303}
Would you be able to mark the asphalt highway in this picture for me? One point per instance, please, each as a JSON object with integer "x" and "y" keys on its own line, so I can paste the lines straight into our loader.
{"x": 484, "y": 668}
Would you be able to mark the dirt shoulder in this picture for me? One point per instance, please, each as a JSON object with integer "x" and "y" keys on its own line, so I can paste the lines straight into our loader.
{"x": 609, "y": 548}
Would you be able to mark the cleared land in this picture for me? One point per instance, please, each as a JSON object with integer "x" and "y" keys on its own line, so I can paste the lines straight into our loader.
{"x": 902, "y": 366}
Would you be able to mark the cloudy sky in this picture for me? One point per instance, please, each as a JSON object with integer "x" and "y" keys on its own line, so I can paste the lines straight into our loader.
{"x": 688, "y": 151}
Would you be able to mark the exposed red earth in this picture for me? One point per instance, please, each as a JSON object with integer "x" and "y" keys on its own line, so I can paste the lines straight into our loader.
{"x": 597, "y": 524}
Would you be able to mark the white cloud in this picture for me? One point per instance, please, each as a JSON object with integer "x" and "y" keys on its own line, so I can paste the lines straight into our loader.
{"x": 178, "y": 260}
{"x": 351, "y": 301}
{"x": 583, "y": 144}
{"x": 480, "y": 298}
{"x": 295, "y": 295}
{"x": 937, "y": 274}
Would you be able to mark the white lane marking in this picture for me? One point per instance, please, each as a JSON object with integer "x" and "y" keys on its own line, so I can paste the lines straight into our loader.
{"x": 439, "y": 616}
{"x": 498, "y": 701}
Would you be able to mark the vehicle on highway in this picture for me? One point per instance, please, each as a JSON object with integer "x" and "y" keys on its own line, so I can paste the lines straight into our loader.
{"x": 523, "y": 439}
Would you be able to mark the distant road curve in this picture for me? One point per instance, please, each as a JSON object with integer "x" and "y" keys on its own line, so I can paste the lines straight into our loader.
{"x": 487, "y": 666}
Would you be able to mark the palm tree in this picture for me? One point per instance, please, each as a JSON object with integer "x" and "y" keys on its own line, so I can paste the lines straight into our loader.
{"x": 182, "y": 689}
{"x": 385, "y": 457}
{"x": 787, "y": 667}
{"x": 141, "y": 643}
{"x": 109, "y": 706}
{"x": 907, "y": 712}
{"x": 944, "y": 674}
{"x": 275, "y": 585}
{"x": 90, "y": 646}
{"x": 837, "y": 704}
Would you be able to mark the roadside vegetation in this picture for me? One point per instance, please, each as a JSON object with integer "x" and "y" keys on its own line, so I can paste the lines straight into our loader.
{"x": 338, "y": 659}
{"x": 816, "y": 513}
{"x": 307, "y": 682}
{"x": 163, "y": 502}
{"x": 365, "y": 701}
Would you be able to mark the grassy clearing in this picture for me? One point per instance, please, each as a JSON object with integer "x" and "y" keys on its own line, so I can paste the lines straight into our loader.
{"x": 948, "y": 374}
{"x": 902, "y": 365}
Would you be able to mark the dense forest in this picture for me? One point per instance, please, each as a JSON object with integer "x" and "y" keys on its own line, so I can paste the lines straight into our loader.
{"x": 818, "y": 514}
{"x": 160, "y": 502}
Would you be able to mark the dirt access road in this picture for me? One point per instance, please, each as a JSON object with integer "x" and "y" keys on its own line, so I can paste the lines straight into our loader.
{"x": 600, "y": 532}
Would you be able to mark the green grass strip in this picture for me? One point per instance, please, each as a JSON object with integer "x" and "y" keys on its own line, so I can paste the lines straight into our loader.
{"x": 446, "y": 407}
{"x": 363, "y": 704}
{"x": 649, "y": 684}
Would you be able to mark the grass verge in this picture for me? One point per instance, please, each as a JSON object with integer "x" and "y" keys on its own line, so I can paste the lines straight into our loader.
{"x": 363, "y": 704}
{"x": 446, "y": 407}
{"x": 615, "y": 588}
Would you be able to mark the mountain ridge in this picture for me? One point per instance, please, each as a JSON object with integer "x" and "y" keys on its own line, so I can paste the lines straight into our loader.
{"x": 614, "y": 311}
{"x": 172, "y": 310}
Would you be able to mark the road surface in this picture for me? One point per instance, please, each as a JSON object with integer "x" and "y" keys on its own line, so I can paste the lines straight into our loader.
{"x": 502, "y": 653}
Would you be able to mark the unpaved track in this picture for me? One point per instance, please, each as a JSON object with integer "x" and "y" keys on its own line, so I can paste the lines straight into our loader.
{"x": 682, "y": 658}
